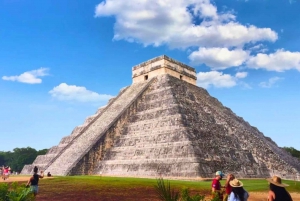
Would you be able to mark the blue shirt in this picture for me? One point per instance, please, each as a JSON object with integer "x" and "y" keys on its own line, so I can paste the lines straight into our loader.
{"x": 233, "y": 198}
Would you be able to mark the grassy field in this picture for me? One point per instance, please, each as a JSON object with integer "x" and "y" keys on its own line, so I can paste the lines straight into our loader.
{"x": 96, "y": 188}
{"x": 256, "y": 185}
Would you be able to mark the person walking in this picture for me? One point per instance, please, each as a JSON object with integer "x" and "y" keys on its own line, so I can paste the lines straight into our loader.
{"x": 216, "y": 185}
{"x": 277, "y": 190}
{"x": 34, "y": 180}
{"x": 238, "y": 193}
{"x": 6, "y": 175}
{"x": 227, "y": 186}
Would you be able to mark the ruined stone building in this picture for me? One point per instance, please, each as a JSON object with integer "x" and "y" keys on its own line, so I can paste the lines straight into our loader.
{"x": 164, "y": 125}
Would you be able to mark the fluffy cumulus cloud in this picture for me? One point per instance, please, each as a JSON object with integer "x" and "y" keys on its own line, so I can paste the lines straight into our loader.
{"x": 271, "y": 82}
{"x": 278, "y": 61}
{"x": 218, "y": 79}
{"x": 215, "y": 38}
{"x": 29, "y": 77}
{"x": 241, "y": 75}
{"x": 219, "y": 58}
{"x": 67, "y": 92}
{"x": 172, "y": 22}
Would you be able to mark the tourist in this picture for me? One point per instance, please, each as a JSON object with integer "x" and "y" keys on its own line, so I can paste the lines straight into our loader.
{"x": 2, "y": 172}
{"x": 9, "y": 172}
{"x": 227, "y": 186}
{"x": 238, "y": 193}
{"x": 5, "y": 173}
{"x": 277, "y": 191}
{"x": 34, "y": 180}
{"x": 216, "y": 186}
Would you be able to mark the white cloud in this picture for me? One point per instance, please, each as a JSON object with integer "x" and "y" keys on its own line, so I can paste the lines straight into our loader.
{"x": 196, "y": 24}
{"x": 77, "y": 93}
{"x": 258, "y": 48}
{"x": 270, "y": 82}
{"x": 219, "y": 58}
{"x": 171, "y": 22}
{"x": 241, "y": 75}
{"x": 216, "y": 79}
{"x": 30, "y": 77}
{"x": 279, "y": 61}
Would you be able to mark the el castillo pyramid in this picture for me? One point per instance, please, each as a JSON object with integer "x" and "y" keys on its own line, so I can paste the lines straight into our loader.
{"x": 165, "y": 125}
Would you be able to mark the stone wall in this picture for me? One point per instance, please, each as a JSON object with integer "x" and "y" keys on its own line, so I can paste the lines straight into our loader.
{"x": 163, "y": 65}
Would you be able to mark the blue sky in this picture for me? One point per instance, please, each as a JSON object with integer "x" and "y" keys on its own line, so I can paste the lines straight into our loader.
{"x": 62, "y": 60}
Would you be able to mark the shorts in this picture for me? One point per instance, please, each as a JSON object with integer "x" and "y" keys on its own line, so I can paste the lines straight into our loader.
{"x": 34, "y": 188}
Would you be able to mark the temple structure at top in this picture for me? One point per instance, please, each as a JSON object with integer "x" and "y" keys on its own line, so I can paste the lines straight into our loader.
{"x": 163, "y": 65}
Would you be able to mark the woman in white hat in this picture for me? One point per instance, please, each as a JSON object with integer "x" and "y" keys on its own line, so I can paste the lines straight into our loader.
{"x": 277, "y": 191}
{"x": 238, "y": 193}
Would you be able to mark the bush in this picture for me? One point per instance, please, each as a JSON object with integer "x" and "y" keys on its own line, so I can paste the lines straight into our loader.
{"x": 166, "y": 193}
{"x": 16, "y": 192}
{"x": 185, "y": 196}
{"x": 3, "y": 191}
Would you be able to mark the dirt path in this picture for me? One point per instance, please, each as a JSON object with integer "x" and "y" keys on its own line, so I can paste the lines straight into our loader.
{"x": 18, "y": 178}
{"x": 14, "y": 178}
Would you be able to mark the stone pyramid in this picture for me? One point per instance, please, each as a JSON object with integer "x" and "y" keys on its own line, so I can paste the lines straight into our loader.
{"x": 164, "y": 125}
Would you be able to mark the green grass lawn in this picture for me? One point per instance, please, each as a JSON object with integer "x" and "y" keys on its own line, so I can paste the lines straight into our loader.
{"x": 251, "y": 185}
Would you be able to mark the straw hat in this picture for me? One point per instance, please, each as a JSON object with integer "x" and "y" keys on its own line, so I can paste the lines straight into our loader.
{"x": 235, "y": 183}
{"x": 276, "y": 181}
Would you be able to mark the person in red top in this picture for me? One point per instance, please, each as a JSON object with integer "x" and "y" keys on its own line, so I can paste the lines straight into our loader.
{"x": 5, "y": 171}
{"x": 227, "y": 186}
{"x": 216, "y": 186}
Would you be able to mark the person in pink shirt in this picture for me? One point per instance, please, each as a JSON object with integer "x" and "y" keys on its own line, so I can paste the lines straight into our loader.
{"x": 5, "y": 173}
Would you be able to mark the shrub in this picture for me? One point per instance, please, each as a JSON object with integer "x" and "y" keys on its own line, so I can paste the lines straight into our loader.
{"x": 3, "y": 191}
{"x": 16, "y": 192}
{"x": 165, "y": 192}
{"x": 185, "y": 196}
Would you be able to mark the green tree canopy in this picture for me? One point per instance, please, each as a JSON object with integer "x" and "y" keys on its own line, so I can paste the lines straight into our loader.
{"x": 20, "y": 157}
{"x": 294, "y": 152}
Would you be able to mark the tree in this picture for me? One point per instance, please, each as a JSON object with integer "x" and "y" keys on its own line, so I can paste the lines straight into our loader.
{"x": 42, "y": 152}
{"x": 20, "y": 157}
{"x": 2, "y": 158}
{"x": 294, "y": 152}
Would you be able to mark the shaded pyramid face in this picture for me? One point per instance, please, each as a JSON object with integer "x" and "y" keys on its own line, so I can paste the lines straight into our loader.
{"x": 179, "y": 130}
{"x": 167, "y": 127}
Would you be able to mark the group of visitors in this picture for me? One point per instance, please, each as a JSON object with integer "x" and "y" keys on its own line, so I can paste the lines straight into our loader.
{"x": 234, "y": 190}
{"x": 5, "y": 172}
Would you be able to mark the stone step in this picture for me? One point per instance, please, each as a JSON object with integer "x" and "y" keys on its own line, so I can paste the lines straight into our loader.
{"x": 170, "y": 160}
{"x": 81, "y": 145}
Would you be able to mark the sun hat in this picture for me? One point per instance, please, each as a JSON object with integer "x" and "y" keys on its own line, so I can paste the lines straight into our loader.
{"x": 220, "y": 173}
{"x": 236, "y": 183}
{"x": 277, "y": 181}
